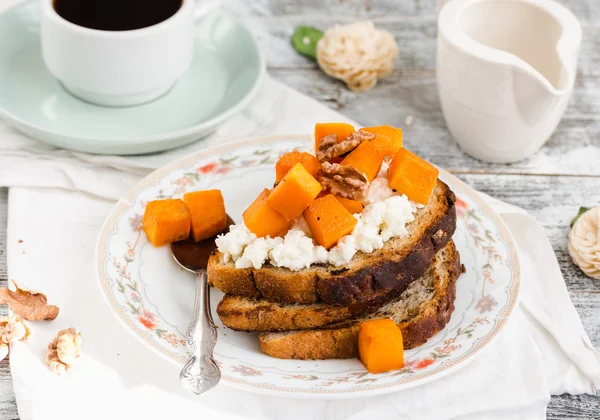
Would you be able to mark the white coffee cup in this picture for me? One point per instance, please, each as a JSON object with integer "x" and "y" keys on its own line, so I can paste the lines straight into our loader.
{"x": 119, "y": 68}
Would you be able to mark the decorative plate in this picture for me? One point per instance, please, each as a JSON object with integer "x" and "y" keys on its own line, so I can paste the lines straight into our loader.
{"x": 224, "y": 76}
{"x": 154, "y": 298}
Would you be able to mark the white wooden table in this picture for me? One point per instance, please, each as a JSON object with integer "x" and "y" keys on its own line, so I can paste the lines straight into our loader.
{"x": 551, "y": 185}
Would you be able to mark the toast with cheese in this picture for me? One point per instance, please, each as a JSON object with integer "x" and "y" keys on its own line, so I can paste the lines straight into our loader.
{"x": 367, "y": 277}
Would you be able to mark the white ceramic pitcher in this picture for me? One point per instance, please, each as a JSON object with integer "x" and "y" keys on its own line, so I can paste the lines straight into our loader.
{"x": 505, "y": 71}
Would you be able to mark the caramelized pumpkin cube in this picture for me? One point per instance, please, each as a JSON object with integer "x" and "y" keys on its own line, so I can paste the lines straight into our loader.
{"x": 166, "y": 221}
{"x": 287, "y": 161}
{"x": 328, "y": 220}
{"x": 342, "y": 130}
{"x": 294, "y": 193}
{"x": 352, "y": 206}
{"x": 366, "y": 158}
{"x": 262, "y": 220}
{"x": 207, "y": 210}
{"x": 380, "y": 346}
{"x": 388, "y": 139}
{"x": 413, "y": 176}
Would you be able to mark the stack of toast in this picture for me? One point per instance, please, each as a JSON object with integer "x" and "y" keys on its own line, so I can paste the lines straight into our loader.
{"x": 314, "y": 313}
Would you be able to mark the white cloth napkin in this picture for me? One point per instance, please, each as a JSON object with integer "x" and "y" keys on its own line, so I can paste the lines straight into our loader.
{"x": 58, "y": 201}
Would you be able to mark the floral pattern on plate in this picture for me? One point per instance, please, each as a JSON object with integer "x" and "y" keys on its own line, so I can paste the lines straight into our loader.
{"x": 153, "y": 297}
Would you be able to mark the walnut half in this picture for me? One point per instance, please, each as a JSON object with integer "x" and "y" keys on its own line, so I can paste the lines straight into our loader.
{"x": 13, "y": 329}
{"x": 344, "y": 181}
{"x": 330, "y": 148}
{"x": 63, "y": 351}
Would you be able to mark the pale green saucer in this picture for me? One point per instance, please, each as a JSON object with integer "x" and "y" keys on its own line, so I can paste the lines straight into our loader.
{"x": 223, "y": 78}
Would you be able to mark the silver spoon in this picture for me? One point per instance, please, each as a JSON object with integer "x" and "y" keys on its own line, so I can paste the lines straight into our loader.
{"x": 201, "y": 372}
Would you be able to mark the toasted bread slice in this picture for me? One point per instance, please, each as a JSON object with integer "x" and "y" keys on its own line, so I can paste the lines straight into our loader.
{"x": 421, "y": 311}
{"x": 364, "y": 278}
{"x": 242, "y": 313}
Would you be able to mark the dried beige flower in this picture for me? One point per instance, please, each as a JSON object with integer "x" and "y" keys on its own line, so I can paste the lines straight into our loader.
{"x": 584, "y": 242}
{"x": 32, "y": 306}
{"x": 3, "y": 351}
{"x": 357, "y": 53}
{"x": 344, "y": 181}
{"x": 63, "y": 351}
{"x": 13, "y": 329}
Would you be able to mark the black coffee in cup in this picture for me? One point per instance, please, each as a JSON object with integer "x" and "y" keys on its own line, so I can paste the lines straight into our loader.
{"x": 116, "y": 15}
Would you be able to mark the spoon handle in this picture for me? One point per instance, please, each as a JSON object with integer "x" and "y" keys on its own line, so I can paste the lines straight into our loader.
{"x": 201, "y": 372}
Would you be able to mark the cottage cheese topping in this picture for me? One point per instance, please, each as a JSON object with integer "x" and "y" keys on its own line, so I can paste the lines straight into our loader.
{"x": 257, "y": 252}
{"x": 378, "y": 223}
{"x": 300, "y": 224}
{"x": 379, "y": 190}
{"x": 233, "y": 244}
{"x": 343, "y": 251}
{"x": 384, "y": 217}
{"x": 297, "y": 251}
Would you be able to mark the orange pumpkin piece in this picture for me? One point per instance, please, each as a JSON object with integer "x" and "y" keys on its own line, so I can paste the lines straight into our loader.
{"x": 366, "y": 158}
{"x": 207, "y": 210}
{"x": 413, "y": 176}
{"x": 262, "y": 220}
{"x": 380, "y": 346}
{"x": 352, "y": 206}
{"x": 166, "y": 221}
{"x": 294, "y": 193}
{"x": 287, "y": 161}
{"x": 328, "y": 220}
{"x": 388, "y": 139}
{"x": 342, "y": 130}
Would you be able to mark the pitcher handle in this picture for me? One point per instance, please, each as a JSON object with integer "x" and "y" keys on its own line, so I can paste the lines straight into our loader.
{"x": 204, "y": 7}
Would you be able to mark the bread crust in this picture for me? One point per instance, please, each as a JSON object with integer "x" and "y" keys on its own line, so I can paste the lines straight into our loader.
{"x": 250, "y": 314}
{"x": 339, "y": 342}
{"x": 365, "y": 278}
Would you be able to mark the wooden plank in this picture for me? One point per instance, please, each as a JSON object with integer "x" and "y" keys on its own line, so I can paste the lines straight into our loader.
{"x": 574, "y": 407}
{"x": 411, "y": 90}
{"x": 373, "y": 9}
{"x": 352, "y": 8}
{"x": 416, "y": 37}
{"x": 414, "y": 92}
{"x": 574, "y": 149}
{"x": 554, "y": 201}
{"x": 8, "y": 406}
